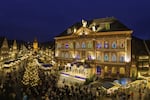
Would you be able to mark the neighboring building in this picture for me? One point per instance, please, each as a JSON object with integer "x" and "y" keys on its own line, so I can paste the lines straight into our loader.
{"x": 4, "y": 50}
{"x": 35, "y": 45}
{"x": 47, "y": 50}
{"x": 140, "y": 56}
{"x": 104, "y": 44}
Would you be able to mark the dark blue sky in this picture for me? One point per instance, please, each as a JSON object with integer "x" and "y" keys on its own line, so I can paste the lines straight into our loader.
{"x": 44, "y": 19}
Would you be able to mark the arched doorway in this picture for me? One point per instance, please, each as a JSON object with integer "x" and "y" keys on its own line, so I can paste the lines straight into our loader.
{"x": 114, "y": 70}
{"x": 122, "y": 70}
{"x": 106, "y": 69}
{"x": 133, "y": 71}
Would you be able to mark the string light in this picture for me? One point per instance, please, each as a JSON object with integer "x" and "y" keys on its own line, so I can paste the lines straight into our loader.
{"x": 31, "y": 77}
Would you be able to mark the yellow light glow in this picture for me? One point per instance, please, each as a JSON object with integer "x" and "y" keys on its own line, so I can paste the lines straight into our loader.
{"x": 56, "y": 54}
{"x": 93, "y": 57}
{"x": 73, "y": 56}
{"x": 127, "y": 58}
{"x": 86, "y": 33}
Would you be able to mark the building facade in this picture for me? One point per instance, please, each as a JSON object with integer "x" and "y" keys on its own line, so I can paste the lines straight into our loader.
{"x": 140, "y": 57}
{"x": 105, "y": 44}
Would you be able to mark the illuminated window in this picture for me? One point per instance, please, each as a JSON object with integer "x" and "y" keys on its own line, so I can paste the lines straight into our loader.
{"x": 122, "y": 44}
{"x": 98, "y": 45}
{"x": 107, "y": 26}
{"x": 71, "y": 45}
{"x": 77, "y": 45}
{"x": 106, "y": 58}
{"x": 83, "y": 45}
{"x": 105, "y": 69}
{"x": 66, "y": 45}
{"x": 122, "y": 59}
{"x": 89, "y": 57}
{"x": 122, "y": 70}
{"x": 62, "y": 54}
{"x": 106, "y": 44}
{"x": 98, "y": 57}
{"x": 114, "y": 58}
{"x": 77, "y": 56}
{"x": 66, "y": 55}
{"x": 146, "y": 64}
{"x": 70, "y": 56}
{"x": 89, "y": 44}
{"x": 58, "y": 45}
{"x": 114, "y": 45}
{"x": 114, "y": 70}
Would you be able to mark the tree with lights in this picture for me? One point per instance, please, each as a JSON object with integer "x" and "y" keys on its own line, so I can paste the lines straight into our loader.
{"x": 31, "y": 77}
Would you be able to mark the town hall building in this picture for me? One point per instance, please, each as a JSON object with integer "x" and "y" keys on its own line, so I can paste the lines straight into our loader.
{"x": 104, "y": 45}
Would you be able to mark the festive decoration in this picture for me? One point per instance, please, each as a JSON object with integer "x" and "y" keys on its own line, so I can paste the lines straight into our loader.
{"x": 31, "y": 77}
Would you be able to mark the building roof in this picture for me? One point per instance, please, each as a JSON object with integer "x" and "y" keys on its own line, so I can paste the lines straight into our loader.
{"x": 107, "y": 85}
{"x": 48, "y": 44}
{"x": 138, "y": 47}
{"x": 100, "y": 26}
{"x": 10, "y": 43}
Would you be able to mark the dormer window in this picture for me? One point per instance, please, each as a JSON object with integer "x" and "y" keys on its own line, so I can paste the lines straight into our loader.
{"x": 74, "y": 30}
{"x": 107, "y": 26}
{"x": 68, "y": 31}
{"x": 83, "y": 45}
{"x": 93, "y": 27}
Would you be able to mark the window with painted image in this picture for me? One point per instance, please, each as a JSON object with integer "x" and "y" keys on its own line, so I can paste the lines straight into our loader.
{"x": 114, "y": 45}
{"x": 90, "y": 44}
{"x": 122, "y": 58}
{"x": 99, "y": 45}
{"x": 89, "y": 57}
{"x": 98, "y": 57}
{"x": 83, "y": 45}
{"x": 106, "y": 57}
{"x": 66, "y": 55}
{"x": 77, "y": 56}
{"x": 122, "y": 44}
{"x": 77, "y": 45}
{"x": 66, "y": 45}
{"x": 106, "y": 45}
{"x": 114, "y": 58}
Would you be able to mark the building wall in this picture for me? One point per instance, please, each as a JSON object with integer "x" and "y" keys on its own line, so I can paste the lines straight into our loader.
{"x": 108, "y": 52}
{"x": 112, "y": 52}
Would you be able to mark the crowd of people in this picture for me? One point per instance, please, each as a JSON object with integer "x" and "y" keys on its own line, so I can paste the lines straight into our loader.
{"x": 48, "y": 89}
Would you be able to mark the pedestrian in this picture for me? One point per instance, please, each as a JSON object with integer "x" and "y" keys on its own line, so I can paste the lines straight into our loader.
{"x": 25, "y": 96}
{"x": 46, "y": 97}
{"x": 132, "y": 94}
{"x": 140, "y": 96}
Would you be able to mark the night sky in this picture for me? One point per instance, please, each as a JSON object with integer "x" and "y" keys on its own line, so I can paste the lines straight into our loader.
{"x": 44, "y": 19}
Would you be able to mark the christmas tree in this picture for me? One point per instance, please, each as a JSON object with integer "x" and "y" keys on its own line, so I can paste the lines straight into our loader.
{"x": 31, "y": 77}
